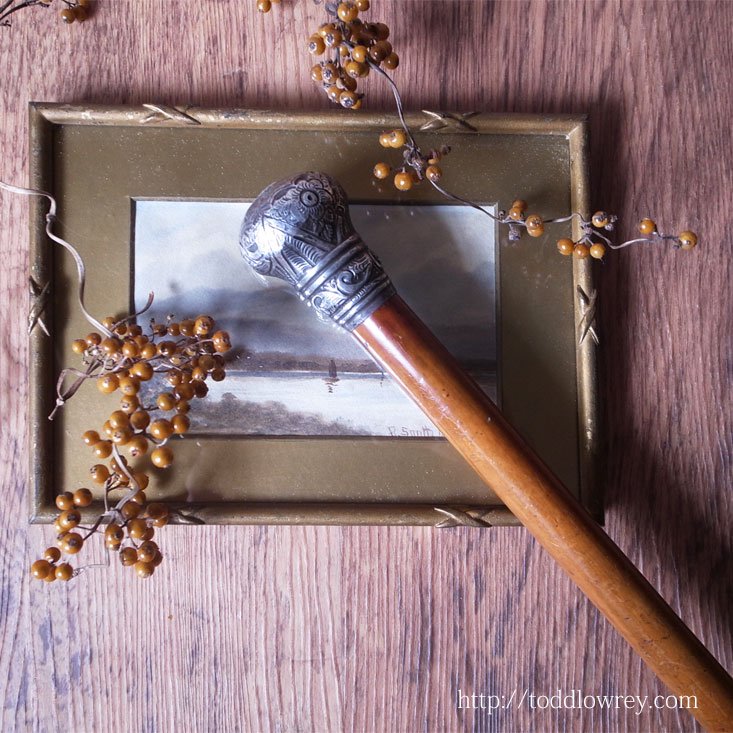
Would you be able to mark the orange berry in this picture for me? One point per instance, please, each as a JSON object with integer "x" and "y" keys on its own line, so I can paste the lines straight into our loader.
{"x": 433, "y": 173}
{"x": 140, "y": 419}
{"x": 137, "y": 445}
{"x": 203, "y": 325}
{"x": 565, "y": 246}
{"x": 129, "y": 385}
{"x": 688, "y": 240}
{"x": 103, "y": 449}
{"x": 147, "y": 551}
{"x": 64, "y": 572}
{"x": 128, "y": 404}
{"x": 122, "y": 436}
{"x": 145, "y": 569}
{"x": 130, "y": 510}
{"x": 161, "y": 429}
{"x": 187, "y": 327}
{"x": 72, "y": 543}
{"x": 111, "y": 346}
{"x": 316, "y": 46}
{"x": 647, "y": 226}
{"x": 333, "y": 38}
{"x": 148, "y": 351}
{"x": 600, "y": 219}
{"x": 186, "y": 390}
{"x": 128, "y": 556}
{"x": 137, "y": 528}
{"x": 52, "y": 554}
{"x": 107, "y": 383}
{"x": 90, "y": 437}
{"x": 156, "y": 510}
{"x": 356, "y": 70}
{"x": 347, "y": 12}
{"x": 166, "y": 401}
{"x": 581, "y": 251}
{"x": 381, "y": 31}
{"x": 180, "y": 424}
{"x": 346, "y": 82}
{"x": 40, "y": 569}
{"x": 83, "y": 497}
{"x": 99, "y": 473}
{"x": 348, "y": 99}
{"x": 403, "y": 181}
{"x": 162, "y": 457}
{"x": 535, "y": 225}
{"x": 391, "y": 62}
{"x": 119, "y": 419}
{"x": 65, "y": 501}
{"x": 397, "y": 139}
{"x": 69, "y": 519}
{"x": 597, "y": 251}
{"x": 142, "y": 370}
{"x": 359, "y": 53}
{"x": 130, "y": 349}
{"x": 382, "y": 170}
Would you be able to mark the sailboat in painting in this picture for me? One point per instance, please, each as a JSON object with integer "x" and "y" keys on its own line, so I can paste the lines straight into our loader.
{"x": 332, "y": 377}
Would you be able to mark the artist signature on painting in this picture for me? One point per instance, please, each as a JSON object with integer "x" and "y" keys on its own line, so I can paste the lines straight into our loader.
{"x": 397, "y": 431}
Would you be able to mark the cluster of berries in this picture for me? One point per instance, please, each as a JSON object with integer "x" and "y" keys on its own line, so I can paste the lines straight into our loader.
{"x": 592, "y": 243}
{"x": 73, "y": 10}
{"x": 130, "y": 531}
{"x": 589, "y": 244}
{"x": 416, "y": 166}
{"x": 184, "y": 354}
{"x": 352, "y": 48}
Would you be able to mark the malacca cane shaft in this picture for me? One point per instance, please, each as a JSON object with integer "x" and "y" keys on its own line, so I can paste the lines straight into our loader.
{"x": 299, "y": 230}
{"x": 401, "y": 343}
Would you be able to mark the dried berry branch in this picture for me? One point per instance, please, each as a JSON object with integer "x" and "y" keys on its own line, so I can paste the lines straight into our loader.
{"x": 353, "y": 48}
{"x": 120, "y": 357}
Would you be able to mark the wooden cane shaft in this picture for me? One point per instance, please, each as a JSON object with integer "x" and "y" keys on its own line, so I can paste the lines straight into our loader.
{"x": 403, "y": 345}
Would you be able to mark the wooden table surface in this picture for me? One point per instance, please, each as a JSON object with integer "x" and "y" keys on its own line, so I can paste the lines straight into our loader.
{"x": 377, "y": 629}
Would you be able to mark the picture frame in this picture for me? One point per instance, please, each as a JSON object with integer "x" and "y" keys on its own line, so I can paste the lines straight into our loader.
{"x": 99, "y": 161}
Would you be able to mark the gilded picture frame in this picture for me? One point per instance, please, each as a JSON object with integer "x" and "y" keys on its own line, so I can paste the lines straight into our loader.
{"x": 98, "y": 160}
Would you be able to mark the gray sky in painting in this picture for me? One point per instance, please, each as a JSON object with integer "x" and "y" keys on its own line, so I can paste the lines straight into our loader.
{"x": 441, "y": 259}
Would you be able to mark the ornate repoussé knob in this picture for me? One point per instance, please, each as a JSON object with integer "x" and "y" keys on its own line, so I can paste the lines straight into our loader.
{"x": 299, "y": 230}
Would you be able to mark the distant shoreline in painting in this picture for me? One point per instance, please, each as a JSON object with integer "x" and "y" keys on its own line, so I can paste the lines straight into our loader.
{"x": 292, "y": 375}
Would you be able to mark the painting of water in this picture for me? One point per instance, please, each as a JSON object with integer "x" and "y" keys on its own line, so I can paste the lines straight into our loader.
{"x": 289, "y": 373}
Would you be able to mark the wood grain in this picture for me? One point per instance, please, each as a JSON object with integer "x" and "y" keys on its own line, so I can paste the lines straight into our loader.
{"x": 376, "y": 629}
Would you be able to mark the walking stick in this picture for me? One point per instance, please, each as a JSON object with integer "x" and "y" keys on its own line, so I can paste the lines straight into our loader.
{"x": 299, "y": 230}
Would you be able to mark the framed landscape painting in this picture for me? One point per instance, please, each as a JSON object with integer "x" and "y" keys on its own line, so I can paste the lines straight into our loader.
{"x": 306, "y": 428}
